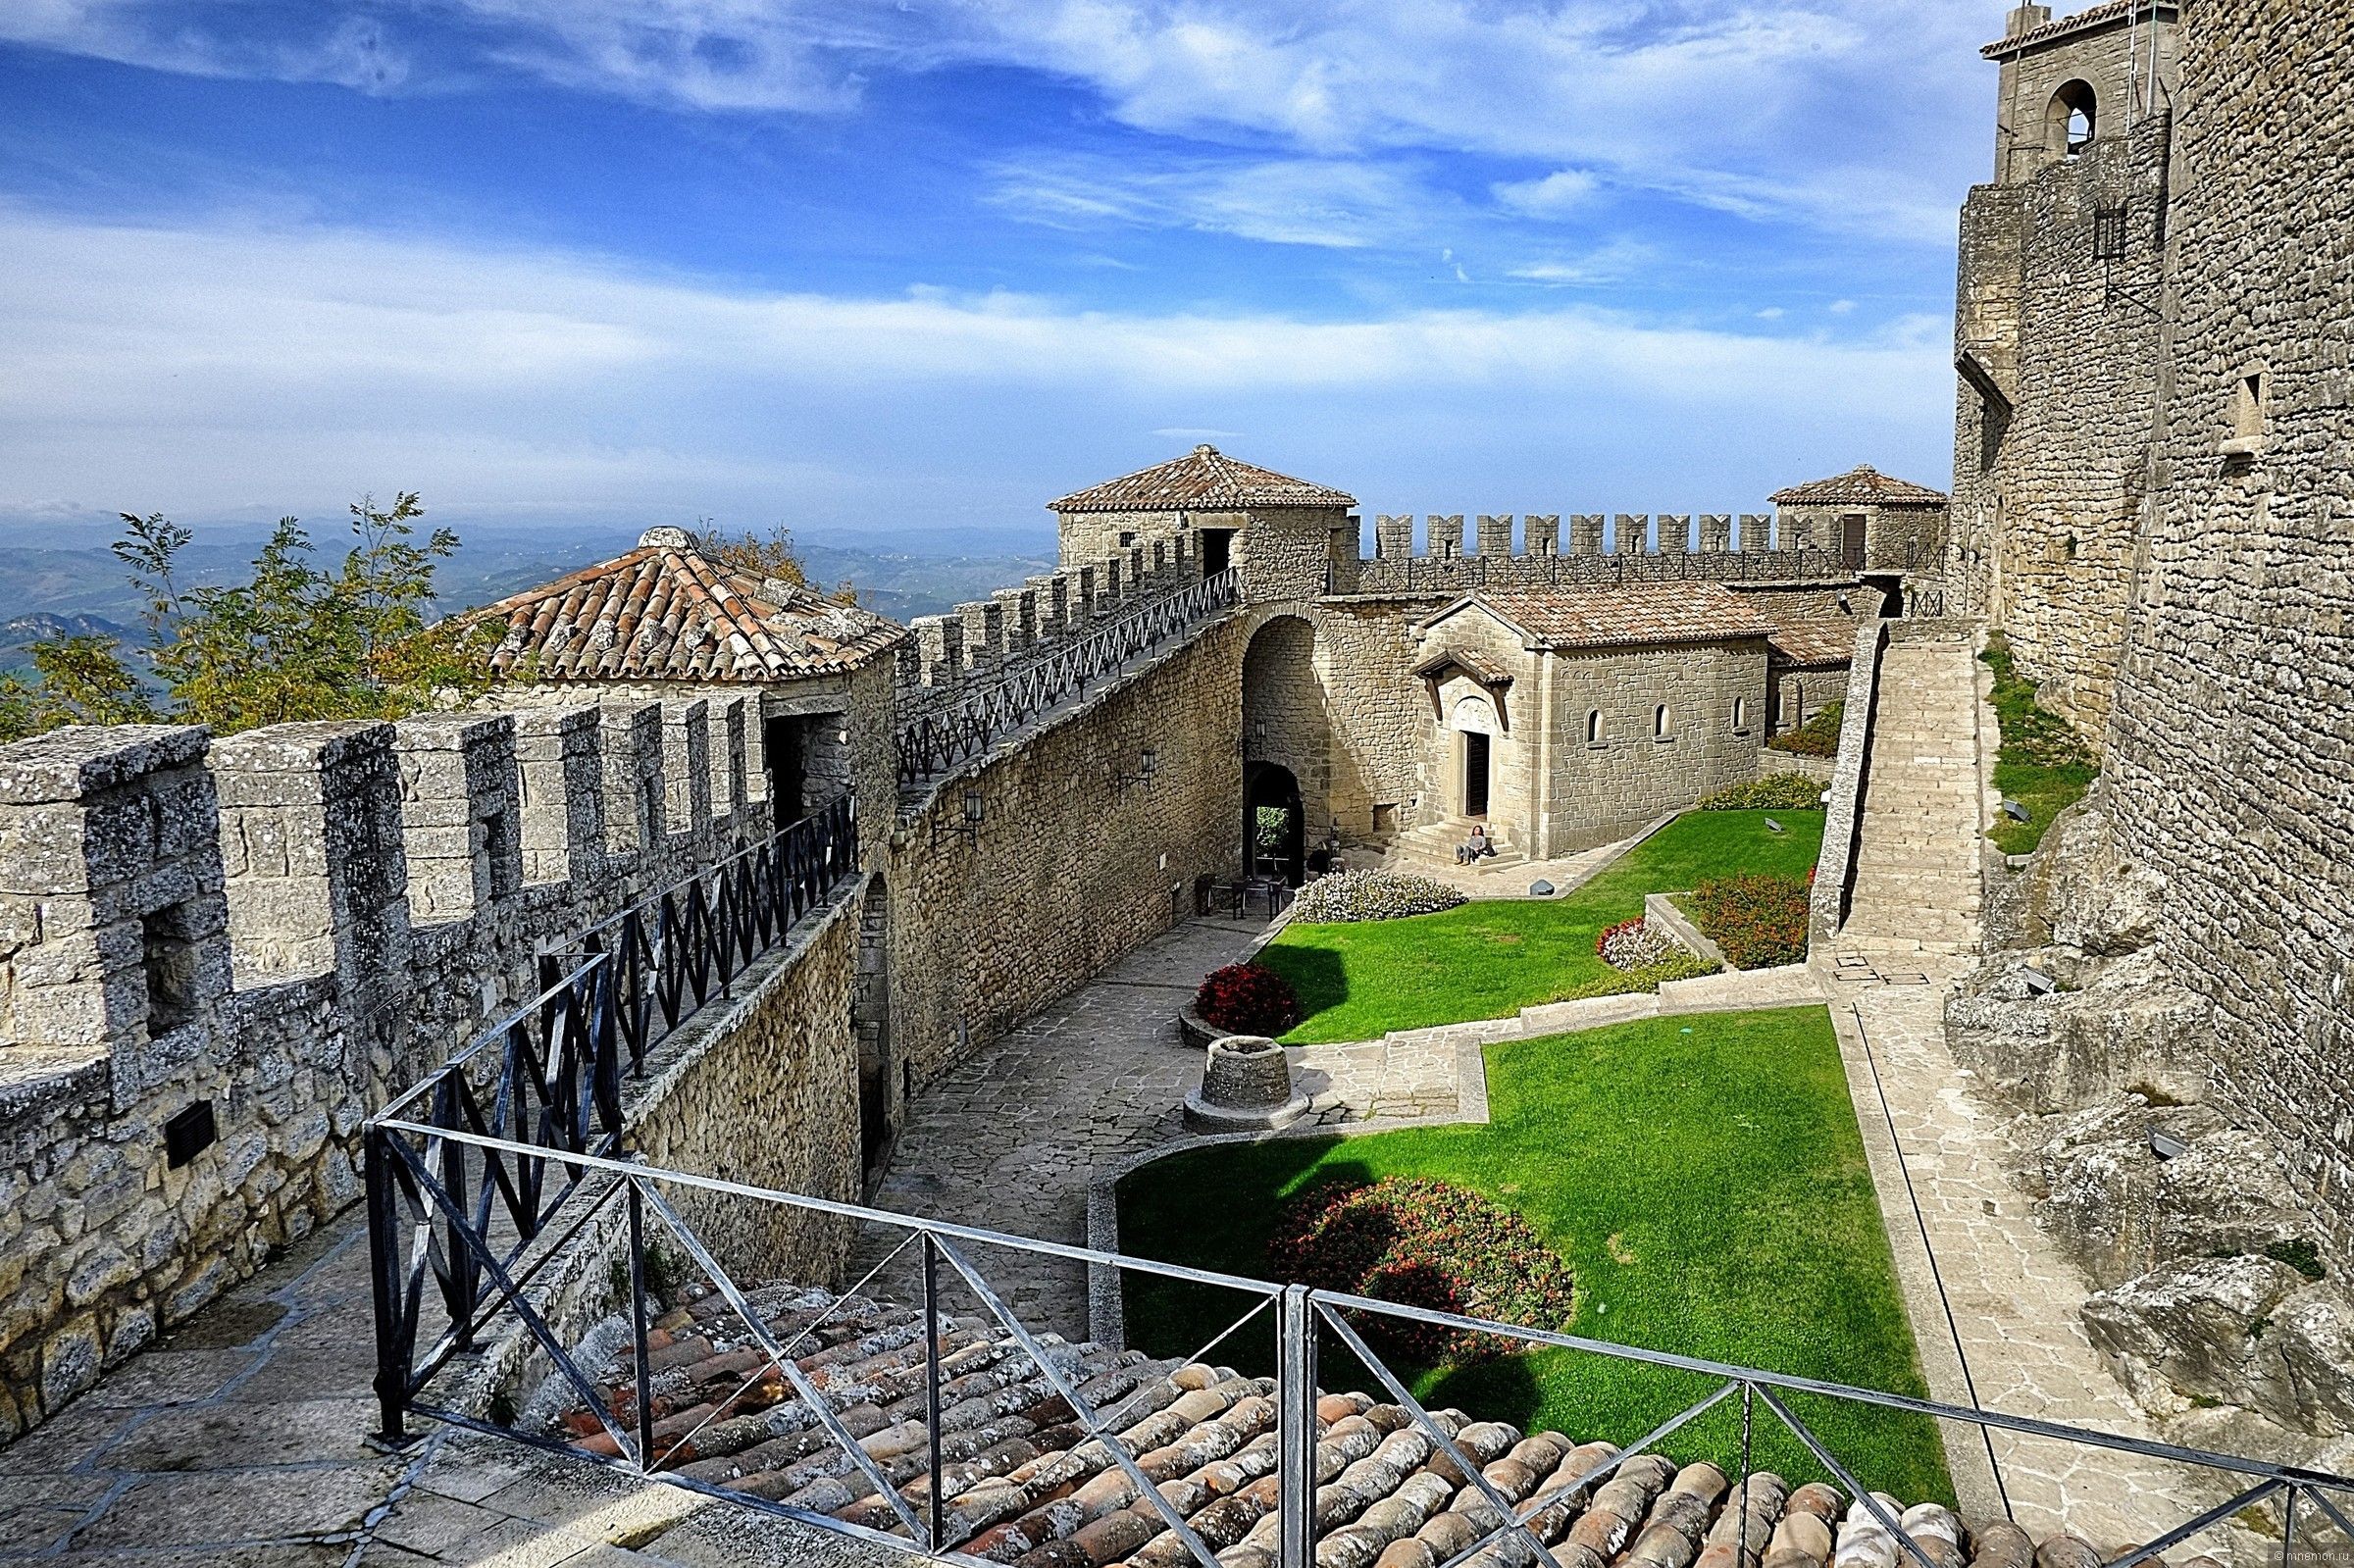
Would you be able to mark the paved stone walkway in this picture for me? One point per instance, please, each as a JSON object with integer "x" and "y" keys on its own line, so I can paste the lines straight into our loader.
{"x": 1010, "y": 1139}
{"x": 2013, "y": 1297}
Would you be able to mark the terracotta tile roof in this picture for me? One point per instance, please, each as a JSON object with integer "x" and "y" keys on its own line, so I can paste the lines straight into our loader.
{"x": 2100, "y": 16}
{"x": 1026, "y": 1484}
{"x": 1205, "y": 478}
{"x": 1602, "y": 617}
{"x": 1474, "y": 663}
{"x": 1860, "y": 486}
{"x": 1815, "y": 641}
{"x": 664, "y": 612}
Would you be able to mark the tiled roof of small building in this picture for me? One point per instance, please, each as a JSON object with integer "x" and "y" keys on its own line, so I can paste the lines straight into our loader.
{"x": 1860, "y": 486}
{"x": 1474, "y": 663}
{"x": 1027, "y": 1485}
{"x": 666, "y": 612}
{"x": 1603, "y": 618}
{"x": 1815, "y": 641}
{"x": 2100, "y": 16}
{"x": 1205, "y": 478}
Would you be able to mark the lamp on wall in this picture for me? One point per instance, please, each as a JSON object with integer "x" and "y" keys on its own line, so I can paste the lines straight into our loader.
{"x": 969, "y": 826}
{"x": 1148, "y": 763}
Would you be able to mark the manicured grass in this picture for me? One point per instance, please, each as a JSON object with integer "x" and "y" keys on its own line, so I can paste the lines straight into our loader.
{"x": 2041, "y": 763}
{"x": 1705, "y": 1179}
{"x": 1492, "y": 957}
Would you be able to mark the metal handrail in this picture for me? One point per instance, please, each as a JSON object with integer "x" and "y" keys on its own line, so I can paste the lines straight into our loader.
{"x": 556, "y": 1085}
{"x": 1307, "y": 1313}
{"x": 933, "y": 742}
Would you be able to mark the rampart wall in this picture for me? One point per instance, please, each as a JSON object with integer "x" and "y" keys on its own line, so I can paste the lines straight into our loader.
{"x": 1076, "y": 857}
{"x": 2230, "y": 756}
{"x": 218, "y": 956}
{"x": 1591, "y": 548}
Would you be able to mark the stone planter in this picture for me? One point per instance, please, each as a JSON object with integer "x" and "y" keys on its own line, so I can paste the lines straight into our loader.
{"x": 1246, "y": 1087}
{"x": 1662, "y": 918}
{"x": 1196, "y": 1030}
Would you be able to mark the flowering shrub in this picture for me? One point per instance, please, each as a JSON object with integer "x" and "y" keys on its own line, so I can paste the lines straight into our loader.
{"x": 1757, "y": 920}
{"x": 1247, "y": 1000}
{"x": 1632, "y": 944}
{"x": 1819, "y": 737}
{"x": 1424, "y": 1243}
{"x": 1352, "y": 895}
{"x": 1775, "y": 791}
{"x": 1678, "y": 965}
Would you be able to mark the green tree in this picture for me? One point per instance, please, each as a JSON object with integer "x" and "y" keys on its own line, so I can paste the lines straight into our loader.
{"x": 298, "y": 641}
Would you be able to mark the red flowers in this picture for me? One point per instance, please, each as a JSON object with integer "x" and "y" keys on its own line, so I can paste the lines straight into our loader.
{"x": 1247, "y": 1000}
{"x": 1420, "y": 1242}
{"x": 1760, "y": 921}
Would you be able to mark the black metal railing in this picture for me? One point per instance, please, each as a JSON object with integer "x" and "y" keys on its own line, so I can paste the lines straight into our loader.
{"x": 450, "y": 1212}
{"x": 933, "y": 742}
{"x": 618, "y": 1418}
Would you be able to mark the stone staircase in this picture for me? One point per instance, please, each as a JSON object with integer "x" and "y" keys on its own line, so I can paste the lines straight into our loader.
{"x": 1916, "y": 886}
{"x": 1433, "y": 846}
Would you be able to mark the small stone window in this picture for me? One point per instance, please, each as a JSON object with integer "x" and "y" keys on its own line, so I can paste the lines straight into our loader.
{"x": 1662, "y": 723}
{"x": 1127, "y": 538}
{"x": 168, "y": 952}
{"x": 2251, "y": 415}
{"x": 1594, "y": 735}
{"x": 1740, "y": 715}
{"x": 2072, "y": 121}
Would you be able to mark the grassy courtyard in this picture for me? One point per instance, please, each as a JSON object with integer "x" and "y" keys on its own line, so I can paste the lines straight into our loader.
{"x": 1493, "y": 957}
{"x": 1705, "y": 1179}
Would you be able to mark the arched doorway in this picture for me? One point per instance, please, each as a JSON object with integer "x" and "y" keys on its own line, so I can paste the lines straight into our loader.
{"x": 1289, "y": 750}
{"x": 1274, "y": 826}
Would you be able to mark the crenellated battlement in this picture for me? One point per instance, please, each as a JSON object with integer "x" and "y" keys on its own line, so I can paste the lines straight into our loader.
{"x": 244, "y": 941}
{"x": 987, "y": 638}
{"x": 1593, "y": 547}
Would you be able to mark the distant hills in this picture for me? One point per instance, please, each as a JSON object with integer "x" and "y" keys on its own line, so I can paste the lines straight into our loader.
{"x": 50, "y": 592}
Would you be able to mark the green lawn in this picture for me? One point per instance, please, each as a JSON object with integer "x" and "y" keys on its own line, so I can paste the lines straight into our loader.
{"x": 1705, "y": 1179}
{"x": 1493, "y": 956}
{"x": 2041, "y": 762}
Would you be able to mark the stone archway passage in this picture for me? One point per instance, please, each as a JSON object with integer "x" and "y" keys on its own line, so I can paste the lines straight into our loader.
{"x": 1274, "y": 824}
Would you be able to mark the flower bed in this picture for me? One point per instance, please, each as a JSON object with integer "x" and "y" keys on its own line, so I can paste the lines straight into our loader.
{"x": 1758, "y": 921}
{"x": 1819, "y": 737}
{"x": 1426, "y": 1243}
{"x": 1775, "y": 791}
{"x": 1633, "y": 944}
{"x": 1357, "y": 895}
{"x": 1247, "y": 1000}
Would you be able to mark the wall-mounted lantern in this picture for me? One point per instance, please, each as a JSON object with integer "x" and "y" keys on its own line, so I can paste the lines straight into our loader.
{"x": 1148, "y": 763}
{"x": 970, "y": 827}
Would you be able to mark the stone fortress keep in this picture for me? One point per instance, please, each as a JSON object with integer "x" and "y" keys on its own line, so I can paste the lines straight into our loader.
{"x": 218, "y": 957}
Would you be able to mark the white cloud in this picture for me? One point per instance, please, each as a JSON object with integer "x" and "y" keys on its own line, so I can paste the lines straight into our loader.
{"x": 1326, "y": 202}
{"x": 1610, "y": 262}
{"x": 1814, "y": 110}
{"x": 222, "y": 368}
{"x": 1551, "y": 196}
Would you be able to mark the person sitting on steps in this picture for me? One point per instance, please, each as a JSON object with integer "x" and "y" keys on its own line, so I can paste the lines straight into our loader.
{"x": 1474, "y": 848}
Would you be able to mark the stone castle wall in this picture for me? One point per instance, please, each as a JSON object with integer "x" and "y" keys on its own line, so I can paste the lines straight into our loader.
{"x": 1076, "y": 857}
{"x": 2229, "y": 756}
{"x": 268, "y": 933}
{"x": 2055, "y": 412}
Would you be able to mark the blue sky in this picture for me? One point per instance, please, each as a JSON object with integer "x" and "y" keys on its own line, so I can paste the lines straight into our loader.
{"x": 864, "y": 267}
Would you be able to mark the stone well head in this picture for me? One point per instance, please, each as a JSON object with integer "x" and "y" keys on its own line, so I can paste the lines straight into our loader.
{"x": 1245, "y": 1085}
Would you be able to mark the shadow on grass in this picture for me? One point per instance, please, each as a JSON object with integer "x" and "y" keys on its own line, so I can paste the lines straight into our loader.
{"x": 1319, "y": 977}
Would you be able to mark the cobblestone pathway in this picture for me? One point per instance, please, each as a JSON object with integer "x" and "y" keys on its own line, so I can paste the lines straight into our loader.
{"x": 1009, "y": 1138}
{"x": 2013, "y": 1296}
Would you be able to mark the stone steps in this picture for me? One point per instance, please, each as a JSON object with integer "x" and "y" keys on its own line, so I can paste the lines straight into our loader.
{"x": 1916, "y": 886}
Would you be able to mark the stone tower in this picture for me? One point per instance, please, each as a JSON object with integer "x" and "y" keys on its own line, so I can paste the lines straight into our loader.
{"x": 2056, "y": 337}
